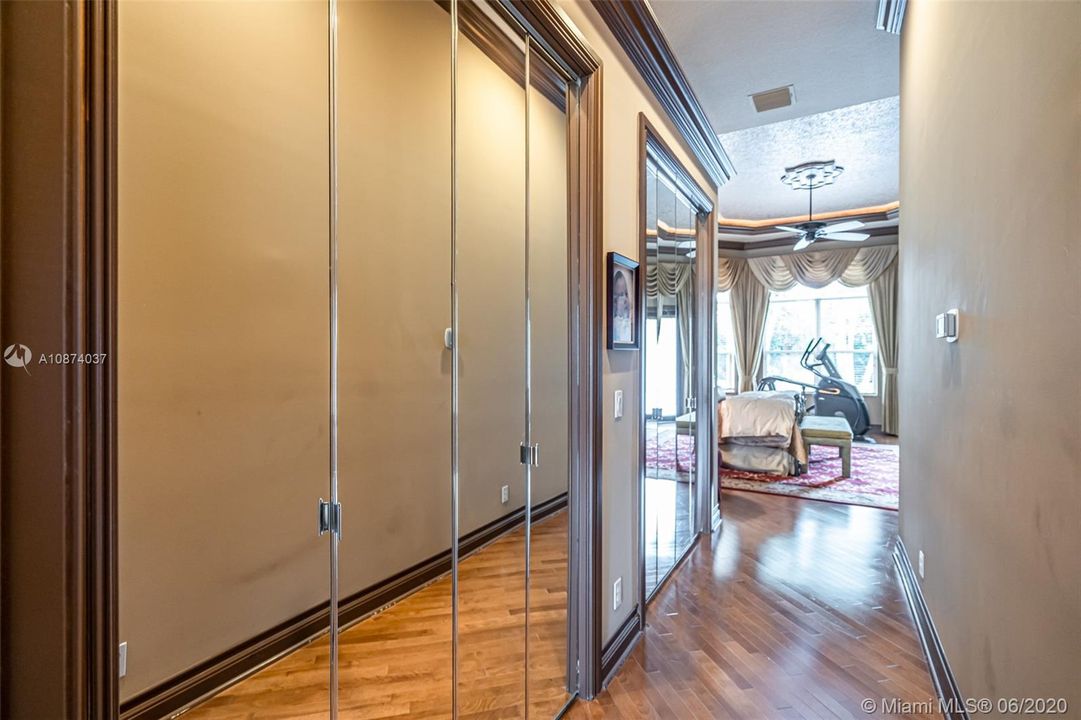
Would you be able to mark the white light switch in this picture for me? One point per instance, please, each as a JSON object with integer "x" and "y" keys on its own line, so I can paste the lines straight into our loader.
{"x": 619, "y": 404}
{"x": 504, "y": 494}
{"x": 946, "y": 325}
{"x": 617, "y": 593}
{"x": 122, "y": 659}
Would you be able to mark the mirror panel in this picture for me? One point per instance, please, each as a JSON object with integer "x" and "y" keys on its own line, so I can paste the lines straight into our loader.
{"x": 394, "y": 381}
{"x": 491, "y": 338}
{"x": 223, "y": 368}
{"x": 663, "y": 390}
{"x": 549, "y": 664}
{"x": 670, "y": 374}
{"x": 684, "y": 257}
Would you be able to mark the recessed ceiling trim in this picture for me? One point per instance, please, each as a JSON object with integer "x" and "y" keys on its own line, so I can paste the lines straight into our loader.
{"x": 757, "y": 227}
{"x": 783, "y": 246}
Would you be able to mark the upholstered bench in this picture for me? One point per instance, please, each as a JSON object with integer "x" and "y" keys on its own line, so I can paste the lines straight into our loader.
{"x": 832, "y": 431}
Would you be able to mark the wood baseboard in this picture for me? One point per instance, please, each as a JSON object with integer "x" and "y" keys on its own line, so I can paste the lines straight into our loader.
{"x": 950, "y": 698}
{"x": 620, "y": 646}
{"x": 240, "y": 661}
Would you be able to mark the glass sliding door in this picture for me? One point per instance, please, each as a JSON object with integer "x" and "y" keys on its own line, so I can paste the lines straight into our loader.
{"x": 394, "y": 385}
{"x": 224, "y": 351}
{"x": 670, "y": 370}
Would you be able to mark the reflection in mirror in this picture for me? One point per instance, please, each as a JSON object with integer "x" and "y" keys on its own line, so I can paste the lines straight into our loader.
{"x": 548, "y": 679}
{"x": 686, "y": 424}
{"x": 394, "y": 414}
{"x": 670, "y": 415}
{"x": 222, "y": 262}
{"x": 491, "y": 338}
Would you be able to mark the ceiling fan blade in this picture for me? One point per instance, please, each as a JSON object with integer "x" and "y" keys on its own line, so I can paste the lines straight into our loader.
{"x": 846, "y": 236}
{"x": 789, "y": 228}
{"x": 842, "y": 226}
{"x": 803, "y": 242}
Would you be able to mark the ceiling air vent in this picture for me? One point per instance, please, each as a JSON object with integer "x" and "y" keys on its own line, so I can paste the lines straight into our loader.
{"x": 773, "y": 99}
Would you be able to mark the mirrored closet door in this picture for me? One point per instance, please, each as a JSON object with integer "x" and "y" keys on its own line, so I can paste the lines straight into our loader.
{"x": 394, "y": 80}
{"x": 669, "y": 490}
{"x": 223, "y": 369}
{"x": 511, "y": 280}
{"x": 344, "y": 277}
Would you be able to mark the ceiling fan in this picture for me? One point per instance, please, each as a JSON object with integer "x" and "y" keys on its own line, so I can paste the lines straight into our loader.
{"x": 809, "y": 176}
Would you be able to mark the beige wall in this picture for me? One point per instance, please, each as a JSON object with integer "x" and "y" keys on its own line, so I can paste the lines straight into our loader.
{"x": 223, "y": 361}
{"x": 224, "y": 381}
{"x": 394, "y": 287}
{"x": 625, "y": 95}
{"x": 991, "y": 446}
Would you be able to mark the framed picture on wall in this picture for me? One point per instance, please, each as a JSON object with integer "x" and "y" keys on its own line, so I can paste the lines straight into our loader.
{"x": 623, "y": 310}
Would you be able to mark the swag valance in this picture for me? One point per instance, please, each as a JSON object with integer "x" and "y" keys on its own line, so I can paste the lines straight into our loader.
{"x": 750, "y": 282}
{"x": 854, "y": 268}
{"x": 667, "y": 279}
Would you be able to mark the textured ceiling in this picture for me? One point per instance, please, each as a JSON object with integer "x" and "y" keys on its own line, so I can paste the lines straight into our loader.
{"x": 863, "y": 139}
{"x": 828, "y": 49}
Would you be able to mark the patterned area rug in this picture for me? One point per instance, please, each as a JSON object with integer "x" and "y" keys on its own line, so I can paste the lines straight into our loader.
{"x": 875, "y": 472}
{"x": 665, "y": 458}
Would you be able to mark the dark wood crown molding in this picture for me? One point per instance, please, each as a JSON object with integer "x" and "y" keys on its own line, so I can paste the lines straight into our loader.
{"x": 556, "y": 33}
{"x": 657, "y": 150}
{"x": 638, "y": 33}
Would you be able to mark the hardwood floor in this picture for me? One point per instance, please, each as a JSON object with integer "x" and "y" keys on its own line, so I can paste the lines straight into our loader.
{"x": 882, "y": 438}
{"x": 396, "y": 664}
{"x": 793, "y": 610}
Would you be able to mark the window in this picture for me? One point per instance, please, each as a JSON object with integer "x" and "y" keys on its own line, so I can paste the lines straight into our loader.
{"x": 726, "y": 346}
{"x": 662, "y": 370}
{"x": 841, "y": 315}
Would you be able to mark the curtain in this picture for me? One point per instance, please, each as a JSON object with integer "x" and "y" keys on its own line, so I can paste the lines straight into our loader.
{"x": 883, "y": 294}
{"x": 854, "y": 268}
{"x": 750, "y": 302}
{"x": 752, "y": 280}
{"x": 728, "y": 271}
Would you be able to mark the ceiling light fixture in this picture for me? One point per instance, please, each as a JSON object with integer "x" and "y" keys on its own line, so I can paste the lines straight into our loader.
{"x": 810, "y": 176}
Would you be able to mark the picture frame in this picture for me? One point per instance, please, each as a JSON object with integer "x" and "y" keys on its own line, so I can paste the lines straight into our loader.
{"x": 624, "y": 310}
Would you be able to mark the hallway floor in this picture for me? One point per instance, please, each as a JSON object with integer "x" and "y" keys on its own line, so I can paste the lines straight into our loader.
{"x": 395, "y": 664}
{"x": 793, "y": 611}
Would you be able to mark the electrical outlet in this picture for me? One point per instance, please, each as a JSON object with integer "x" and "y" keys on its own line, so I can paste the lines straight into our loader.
{"x": 122, "y": 661}
{"x": 504, "y": 494}
{"x": 617, "y": 593}
{"x": 619, "y": 404}
{"x": 921, "y": 564}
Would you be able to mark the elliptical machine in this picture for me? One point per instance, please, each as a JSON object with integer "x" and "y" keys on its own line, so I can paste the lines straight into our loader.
{"x": 833, "y": 395}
